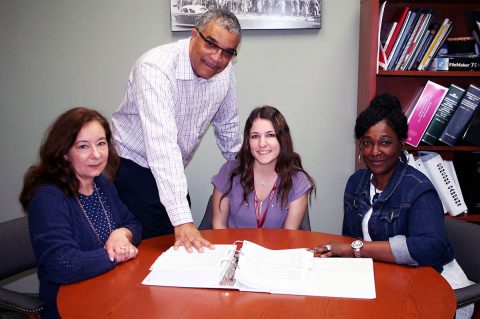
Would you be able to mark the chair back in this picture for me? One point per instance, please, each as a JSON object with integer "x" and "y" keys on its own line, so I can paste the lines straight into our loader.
{"x": 17, "y": 252}
{"x": 464, "y": 236}
{"x": 206, "y": 222}
{"x": 16, "y": 257}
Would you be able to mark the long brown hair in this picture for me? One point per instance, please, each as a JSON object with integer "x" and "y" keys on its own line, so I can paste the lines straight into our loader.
{"x": 288, "y": 161}
{"x": 52, "y": 167}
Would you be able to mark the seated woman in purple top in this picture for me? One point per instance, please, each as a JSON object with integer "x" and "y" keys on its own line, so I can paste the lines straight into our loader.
{"x": 266, "y": 186}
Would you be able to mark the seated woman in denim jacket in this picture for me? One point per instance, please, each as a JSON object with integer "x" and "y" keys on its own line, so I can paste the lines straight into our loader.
{"x": 391, "y": 207}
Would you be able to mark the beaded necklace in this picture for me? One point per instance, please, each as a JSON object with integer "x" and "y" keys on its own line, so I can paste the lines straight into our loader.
{"x": 95, "y": 190}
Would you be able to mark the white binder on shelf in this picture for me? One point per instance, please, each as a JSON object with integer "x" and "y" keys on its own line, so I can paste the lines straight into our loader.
{"x": 445, "y": 182}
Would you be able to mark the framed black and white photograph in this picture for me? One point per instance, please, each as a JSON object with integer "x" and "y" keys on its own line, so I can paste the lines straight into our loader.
{"x": 252, "y": 14}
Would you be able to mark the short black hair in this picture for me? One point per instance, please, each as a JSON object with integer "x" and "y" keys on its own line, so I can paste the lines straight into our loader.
{"x": 385, "y": 107}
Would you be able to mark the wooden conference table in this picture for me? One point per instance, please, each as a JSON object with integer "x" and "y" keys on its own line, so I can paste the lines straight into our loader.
{"x": 402, "y": 291}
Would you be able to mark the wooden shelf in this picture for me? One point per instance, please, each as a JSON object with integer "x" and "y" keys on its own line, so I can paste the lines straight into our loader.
{"x": 443, "y": 148}
{"x": 429, "y": 74}
{"x": 473, "y": 218}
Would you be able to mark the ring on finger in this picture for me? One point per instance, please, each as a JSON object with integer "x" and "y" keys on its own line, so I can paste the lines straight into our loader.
{"x": 328, "y": 247}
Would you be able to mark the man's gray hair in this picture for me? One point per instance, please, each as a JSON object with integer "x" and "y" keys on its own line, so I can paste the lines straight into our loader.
{"x": 223, "y": 18}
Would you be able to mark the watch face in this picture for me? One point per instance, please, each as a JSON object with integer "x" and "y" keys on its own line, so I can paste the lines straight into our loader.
{"x": 357, "y": 244}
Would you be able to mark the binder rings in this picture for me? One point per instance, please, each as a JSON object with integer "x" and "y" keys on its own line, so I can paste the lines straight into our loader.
{"x": 258, "y": 269}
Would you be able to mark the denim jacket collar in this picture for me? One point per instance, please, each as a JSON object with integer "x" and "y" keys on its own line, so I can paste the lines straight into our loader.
{"x": 363, "y": 189}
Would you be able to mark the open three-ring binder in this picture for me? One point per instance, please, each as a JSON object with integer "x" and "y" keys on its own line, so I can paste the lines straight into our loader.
{"x": 256, "y": 268}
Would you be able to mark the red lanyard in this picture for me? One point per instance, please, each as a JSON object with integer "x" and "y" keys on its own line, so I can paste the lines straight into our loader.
{"x": 261, "y": 220}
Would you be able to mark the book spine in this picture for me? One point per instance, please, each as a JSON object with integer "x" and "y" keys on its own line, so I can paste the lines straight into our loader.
{"x": 423, "y": 111}
{"x": 438, "y": 45}
{"x": 432, "y": 31}
{"x": 422, "y": 33}
{"x": 444, "y": 183}
{"x": 402, "y": 13}
{"x": 463, "y": 64}
{"x": 391, "y": 29}
{"x": 472, "y": 133}
{"x": 414, "y": 36}
{"x": 461, "y": 117}
{"x": 429, "y": 52}
{"x": 396, "y": 48}
{"x": 410, "y": 24}
{"x": 418, "y": 164}
{"x": 443, "y": 114}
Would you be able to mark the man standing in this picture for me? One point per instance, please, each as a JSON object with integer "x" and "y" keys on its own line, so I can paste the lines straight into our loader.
{"x": 174, "y": 92}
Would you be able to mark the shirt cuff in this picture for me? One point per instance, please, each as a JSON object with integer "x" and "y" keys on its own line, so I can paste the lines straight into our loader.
{"x": 180, "y": 214}
{"x": 398, "y": 245}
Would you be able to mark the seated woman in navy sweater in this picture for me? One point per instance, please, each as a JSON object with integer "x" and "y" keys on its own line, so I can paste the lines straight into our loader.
{"x": 390, "y": 207}
{"x": 78, "y": 225}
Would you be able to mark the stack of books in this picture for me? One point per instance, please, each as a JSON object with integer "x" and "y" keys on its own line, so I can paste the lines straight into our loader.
{"x": 413, "y": 38}
{"x": 444, "y": 116}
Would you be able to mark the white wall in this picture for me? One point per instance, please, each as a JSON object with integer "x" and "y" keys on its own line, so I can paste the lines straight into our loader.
{"x": 57, "y": 54}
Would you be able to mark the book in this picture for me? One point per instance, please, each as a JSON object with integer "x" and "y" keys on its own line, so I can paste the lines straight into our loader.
{"x": 461, "y": 117}
{"x": 402, "y": 42}
{"x": 423, "y": 111}
{"x": 443, "y": 114}
{"x": 256, "y": 268}
{"x": 381, "y": 58}
{"x": 417, "y": 41}
{"x": 417, "y": 32}
{"x": 386, "y": 33}
{"x": 474, "y": 25}
{"x": 399, "y": 37}
{"x": 399, "y": 18}
{"x": 424, "y": 45}
{"x": 464, "y": 63}
{"x": 417, "y": 163}
{"x": 472, "y": 133}
{"x": 439, "y": 44}
{"x": 468, "y": 165}
{"x": 435, "y": 41}
{"x": 444, "y": 182}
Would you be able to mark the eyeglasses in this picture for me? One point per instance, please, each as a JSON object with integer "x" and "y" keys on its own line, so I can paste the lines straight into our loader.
{"x": 212, "y": 46}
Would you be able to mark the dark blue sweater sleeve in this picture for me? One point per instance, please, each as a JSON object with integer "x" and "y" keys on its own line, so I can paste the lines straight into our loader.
{"x": 65, "y": 251}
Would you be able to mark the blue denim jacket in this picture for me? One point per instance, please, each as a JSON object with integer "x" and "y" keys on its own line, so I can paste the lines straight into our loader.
{"x": 408, "y": 214}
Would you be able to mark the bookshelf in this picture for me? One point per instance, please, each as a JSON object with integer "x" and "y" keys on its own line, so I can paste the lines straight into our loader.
{"x": 405, "y": 84}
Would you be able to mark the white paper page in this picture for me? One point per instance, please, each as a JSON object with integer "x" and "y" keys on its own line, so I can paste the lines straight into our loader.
{"x": 342, "y": 277}
{"x": 179, "y": 268}
{"x": 278, "y": 271}
{"x": 181, "y": 259}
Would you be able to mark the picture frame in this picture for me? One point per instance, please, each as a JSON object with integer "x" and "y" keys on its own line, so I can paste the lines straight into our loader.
{"x": 252, "y": 14}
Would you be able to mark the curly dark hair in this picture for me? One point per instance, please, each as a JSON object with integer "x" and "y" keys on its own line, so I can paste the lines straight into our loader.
{"x": 52, "y": 167}
{"x": 288, "y": 161}
{"x": 385, "y": 107}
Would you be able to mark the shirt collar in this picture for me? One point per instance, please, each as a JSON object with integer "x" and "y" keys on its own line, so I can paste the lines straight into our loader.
{"x": 184, "y": 68}
{"x": 397, "y": 176}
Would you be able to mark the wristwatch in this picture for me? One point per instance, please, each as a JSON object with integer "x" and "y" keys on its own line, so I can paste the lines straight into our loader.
{"x": 356, "y": 246}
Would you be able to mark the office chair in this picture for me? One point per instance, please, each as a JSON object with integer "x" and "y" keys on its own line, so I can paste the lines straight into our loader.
{"x": 17, "y": 256}
{"x": 206, "y": 222}
{"x": 464, "y": 236}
